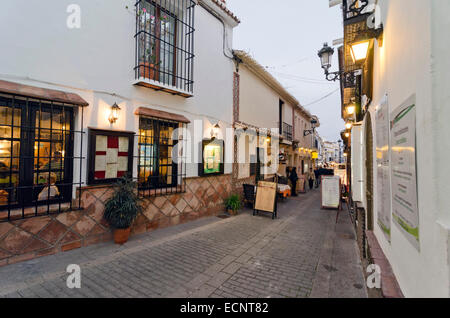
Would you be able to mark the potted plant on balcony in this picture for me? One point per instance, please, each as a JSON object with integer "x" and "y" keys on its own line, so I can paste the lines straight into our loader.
{"x": 148, "y": 67}
{"x": 122, "y": 208}
{"x": 233, "y": 204}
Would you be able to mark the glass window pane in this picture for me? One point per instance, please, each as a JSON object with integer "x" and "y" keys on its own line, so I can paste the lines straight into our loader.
{"x": 6, "y": 121}
{"x": 8, "y": 187}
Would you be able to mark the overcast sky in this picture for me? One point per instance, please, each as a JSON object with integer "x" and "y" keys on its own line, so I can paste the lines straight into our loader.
{"x": 285, "y": 36}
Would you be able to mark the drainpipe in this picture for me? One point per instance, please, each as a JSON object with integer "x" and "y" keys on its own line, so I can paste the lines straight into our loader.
{"x": 218, "y": 17}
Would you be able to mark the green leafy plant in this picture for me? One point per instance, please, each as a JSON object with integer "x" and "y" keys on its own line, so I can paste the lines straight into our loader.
{"x": 124, "y": 205}
{"x": 233, "y": 202}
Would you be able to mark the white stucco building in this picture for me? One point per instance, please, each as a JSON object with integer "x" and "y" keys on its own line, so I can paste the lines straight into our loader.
{"x": 272, "y": 118}
{"x": 404, "y": 115}
{"x": 97, "y": 90}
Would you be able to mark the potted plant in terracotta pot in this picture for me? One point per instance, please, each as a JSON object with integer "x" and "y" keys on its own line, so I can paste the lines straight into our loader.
{"x": 122, "y": 208}
{"x": 148, "y": 67}
{"x": 233, "y": 204}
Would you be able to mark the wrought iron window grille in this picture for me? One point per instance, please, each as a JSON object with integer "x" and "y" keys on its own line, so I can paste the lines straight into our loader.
{"x": 161, "y": 157}
{"x": 165, "y": 42}
{"x": 287, "y": 131}
{"x": 39, "y": 146}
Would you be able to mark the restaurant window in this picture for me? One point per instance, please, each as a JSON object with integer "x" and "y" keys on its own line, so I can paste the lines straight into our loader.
{"x": 111, "y": 156}
{"x": 36, "y": 156}
{"x": 164, "y": 42}
{"x": 161, "y": 159}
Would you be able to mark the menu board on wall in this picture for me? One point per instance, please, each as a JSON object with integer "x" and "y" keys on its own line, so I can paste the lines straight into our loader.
{"x": 331, "y": 192}
{"x": 383, "y": 169}
{"x": 403, "y": 170}
{"x": 212, "y": 155}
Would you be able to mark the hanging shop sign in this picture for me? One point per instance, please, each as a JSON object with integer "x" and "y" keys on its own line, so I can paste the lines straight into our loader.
{"x": 405, "y": 211}
{"x": 314, "y": 155}
{"x": 212, "y": 157}
{"x": 383, "y": 168}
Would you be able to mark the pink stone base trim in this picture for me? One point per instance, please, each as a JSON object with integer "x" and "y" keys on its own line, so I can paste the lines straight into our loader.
{"x": 389, "y": 285}
{"x": 25, "y": 239}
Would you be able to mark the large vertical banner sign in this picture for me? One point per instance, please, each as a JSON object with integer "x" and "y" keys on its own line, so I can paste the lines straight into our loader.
{"x": 404, "y": 176}
{"x": 383, "y": 169}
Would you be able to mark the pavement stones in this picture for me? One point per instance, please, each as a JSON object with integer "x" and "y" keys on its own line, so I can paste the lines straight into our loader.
{"x": 303, "y": 253}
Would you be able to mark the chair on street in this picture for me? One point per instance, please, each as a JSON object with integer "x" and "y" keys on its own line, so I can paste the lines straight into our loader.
{"x": 249, "y": 194}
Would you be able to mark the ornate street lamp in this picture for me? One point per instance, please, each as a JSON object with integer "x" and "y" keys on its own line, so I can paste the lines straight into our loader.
{"x": 326, "y": 55}
{"x": 307, "y": 132}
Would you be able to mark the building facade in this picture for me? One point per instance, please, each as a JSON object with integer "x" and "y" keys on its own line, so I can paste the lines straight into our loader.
{"x": 105, "y": 89}
{"x": 400, "y": 92}
{"x": 271, "y": 121}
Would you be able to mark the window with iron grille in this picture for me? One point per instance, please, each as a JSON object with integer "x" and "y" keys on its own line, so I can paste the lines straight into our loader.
{"x": 165, "y": 42}
{"x": 36, "y": 157}
{"x": 287, "y": 131}
{"x": 161, "y": 159}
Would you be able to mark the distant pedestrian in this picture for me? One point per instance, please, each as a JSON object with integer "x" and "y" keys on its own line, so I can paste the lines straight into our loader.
{"x": 316, "y": 174}
{"x": 288, "y": 172}
{"x": 294, "y": 177}
{"x": 311, "y": 178}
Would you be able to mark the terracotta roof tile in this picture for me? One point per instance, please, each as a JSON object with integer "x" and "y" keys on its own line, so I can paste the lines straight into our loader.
{"x": 41, "y": 93}
{"x": 145, "y": 111}
{"x": 221, "y": 4}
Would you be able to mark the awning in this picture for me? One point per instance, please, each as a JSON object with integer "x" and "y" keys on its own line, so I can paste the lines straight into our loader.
{"x": 41, "y": 93}
{"x": 144, "y": 111}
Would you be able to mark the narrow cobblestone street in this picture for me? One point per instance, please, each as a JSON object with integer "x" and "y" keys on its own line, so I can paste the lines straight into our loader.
{"x": 303, "y": 253}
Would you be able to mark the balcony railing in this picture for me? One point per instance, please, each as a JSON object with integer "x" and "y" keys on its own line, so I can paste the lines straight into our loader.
{"x": 165, "y": 45}
{"x": 287, "y": 131}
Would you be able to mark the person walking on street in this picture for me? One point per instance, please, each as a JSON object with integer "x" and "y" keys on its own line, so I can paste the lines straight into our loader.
{"x": 311, "y": 179}
{"x": 293, "y": 177}
{"x": 316, "y": 175}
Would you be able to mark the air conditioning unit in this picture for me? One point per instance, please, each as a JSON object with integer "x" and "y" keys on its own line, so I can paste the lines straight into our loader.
{"x": 357, "y": 175}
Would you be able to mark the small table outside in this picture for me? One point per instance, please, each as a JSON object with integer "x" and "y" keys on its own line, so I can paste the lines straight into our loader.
{"x": 284, "y": 190}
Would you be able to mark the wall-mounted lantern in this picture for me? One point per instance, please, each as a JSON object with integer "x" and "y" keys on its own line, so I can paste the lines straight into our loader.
{"x": 348, "y": 125}
{"x": 350, "y": 109}
{"x": 359, "y": 51}
{"x": 359, "y": 48}
{"x": 215, "y": 131}
{"x": 114, "y": 115}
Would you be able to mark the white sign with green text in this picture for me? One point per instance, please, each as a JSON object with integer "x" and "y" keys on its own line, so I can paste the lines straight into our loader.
{"x": 405, "y": 212}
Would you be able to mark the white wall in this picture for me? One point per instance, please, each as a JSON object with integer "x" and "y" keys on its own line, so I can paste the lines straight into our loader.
{"x": 287, "y": 113}
{"x": 403, "y": 66}
{"x": 98, "y": 60}
{"x": 258, "y": 103}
